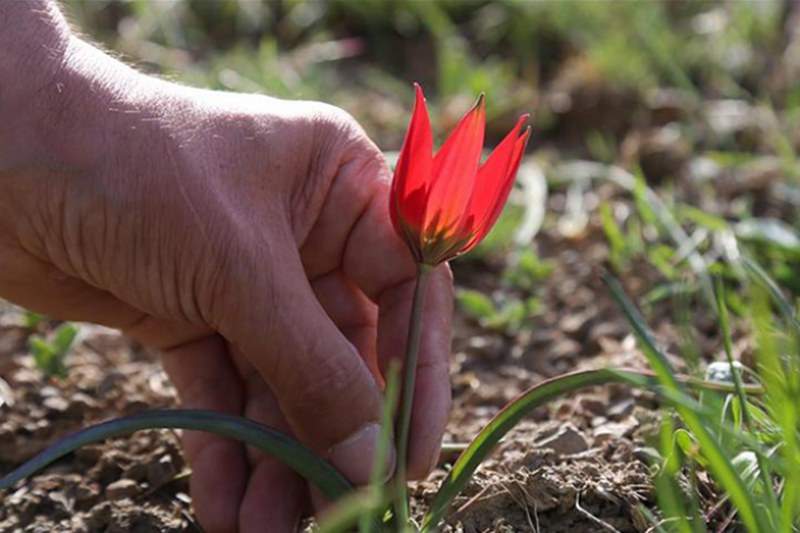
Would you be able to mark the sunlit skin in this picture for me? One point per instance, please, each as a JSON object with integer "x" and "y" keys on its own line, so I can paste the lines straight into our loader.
{"x": 247, "y": 238}
{"x": 443, "y": 205}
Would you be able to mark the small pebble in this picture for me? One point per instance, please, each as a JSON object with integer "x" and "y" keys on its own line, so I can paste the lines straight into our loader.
{"x": 161, "y": 471}
{"x": 99, "y": 517}
{"x": 56, "y": 404}
{"x": 566, "y": 441}
{"x": 121, "y": 489}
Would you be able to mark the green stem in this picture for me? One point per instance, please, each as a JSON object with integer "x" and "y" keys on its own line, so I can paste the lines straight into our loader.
{"x": 747, "y": 421}
{"x": 407, "y": 394}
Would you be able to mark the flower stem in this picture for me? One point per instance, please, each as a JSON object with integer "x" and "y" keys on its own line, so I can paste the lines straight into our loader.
{"x": 407, "y": 395}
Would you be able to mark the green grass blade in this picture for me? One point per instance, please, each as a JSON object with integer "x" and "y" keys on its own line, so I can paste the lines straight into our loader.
{"x": 668, "y": 493}
{"x": 724, "y": 325}
{"x": 763, "y": 279}
{"x": 538, "y": 395}
{"x": 719, "y": 464}
{"x": 781, "y": 402}
{"x": 350, "y": 511}
{"x": 506, "y": 419}
{"x": 667, "y": 220}
{"x": 280, "y": 446}
{"x": 747, "y": 420}
{"x": 658, "y": 361}
{"x": 614, "y": 236}
{"x": 366, "y": 523}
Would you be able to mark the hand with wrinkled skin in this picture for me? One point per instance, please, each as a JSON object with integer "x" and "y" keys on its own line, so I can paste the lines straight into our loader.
{"x": 247, "y": 238}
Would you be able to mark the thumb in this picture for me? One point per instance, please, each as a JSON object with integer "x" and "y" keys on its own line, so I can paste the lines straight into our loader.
{"x": 323, "y": 386}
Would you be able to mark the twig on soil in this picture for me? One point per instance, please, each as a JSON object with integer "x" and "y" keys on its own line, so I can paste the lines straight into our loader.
{"x": 727, "y": 522}
{"x": 450, "y": 451}
{"x": 717, "y": 507}
{"x": 523, "y": 503}
{"x": 592, "y": 517}
{"x": 155, "y": 488}
{"x": 472, "y": 500}
{"x": 454, "y": 447}
{"x": 530, "y": 520}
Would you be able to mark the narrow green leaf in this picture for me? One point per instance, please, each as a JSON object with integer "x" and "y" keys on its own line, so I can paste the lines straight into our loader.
{"x": 658, "y": 361}
{"x": 718, "y": 462}
{"x": 763, "y": 279}
{"x": 507, "y": 418}
{"x": 42, "y": 351}
{"x": 287, "y": 450}
{"x": 667, "y": 221}
{"x": 688, "y": 445}
{"x": 614, "y": 236}
{"x": 781, "y": 412}
{"x": 643, "y": 205}
{"x": 352, "y": 508}
{"x": 668, "y": 492}
{"x": 46, "y": 358}
{"x": 702, "y": 218}
{"x": 63, "y": 338}
{"x": 724, "y": 324}
{"x": 538, "y": 395}
{"x": 366, "y": 523}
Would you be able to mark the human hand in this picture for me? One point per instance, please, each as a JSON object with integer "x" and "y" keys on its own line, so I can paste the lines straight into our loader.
{"x": 246, "y": 237}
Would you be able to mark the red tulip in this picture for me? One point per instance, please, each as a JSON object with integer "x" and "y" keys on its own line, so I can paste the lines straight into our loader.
{"x": 444, "y": 205}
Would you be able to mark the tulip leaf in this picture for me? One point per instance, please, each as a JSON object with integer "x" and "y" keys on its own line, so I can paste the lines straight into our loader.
{"x": 280, "y": 446}
{"x": 538, "y": 395}
{"x": 510, "y": 416}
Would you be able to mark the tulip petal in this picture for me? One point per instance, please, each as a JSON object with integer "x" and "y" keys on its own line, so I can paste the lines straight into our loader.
{"x": 454, "y": 168}
{"x": 412, "y": 174}
{"x": 491, "y": 175}
{"x": 494, "y": 182}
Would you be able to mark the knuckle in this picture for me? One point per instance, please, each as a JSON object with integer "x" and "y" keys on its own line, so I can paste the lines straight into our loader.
{"x": 339, "y": 149}
{"x": 330, "y": 117}
{"x": 336, "y": 131}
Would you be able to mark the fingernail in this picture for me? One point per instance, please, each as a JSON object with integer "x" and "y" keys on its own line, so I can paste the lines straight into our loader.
{"x": 355, "y": 456}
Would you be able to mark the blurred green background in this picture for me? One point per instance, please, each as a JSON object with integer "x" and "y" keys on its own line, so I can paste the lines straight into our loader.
{"x": 697, "y": 101}
{"x": 581, "y": 66}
